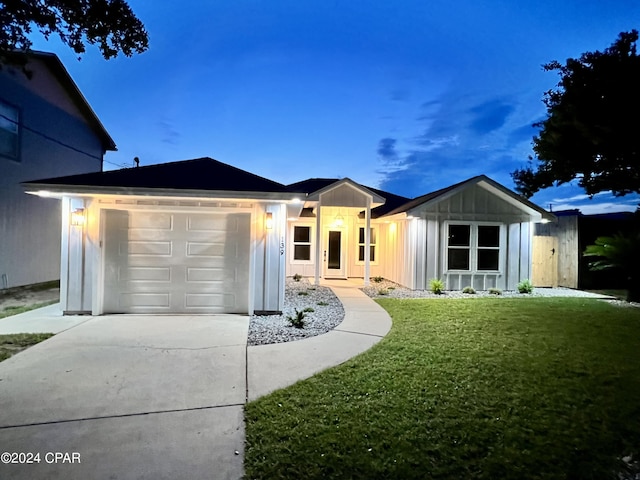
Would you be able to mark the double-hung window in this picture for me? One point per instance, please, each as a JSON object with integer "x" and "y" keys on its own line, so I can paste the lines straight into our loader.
{"x": 302, "y": 243}
{"x": 362, "y": 244}
{"x": 473, "y": 247}
{"x": 9, "y": 133}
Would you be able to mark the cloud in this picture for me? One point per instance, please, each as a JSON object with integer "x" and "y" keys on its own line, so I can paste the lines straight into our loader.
{"x": 168, "y": 133}
{"x": 387, "y": 148}
{"x": 490, "y": 116}
{"x": 523, "y": 133}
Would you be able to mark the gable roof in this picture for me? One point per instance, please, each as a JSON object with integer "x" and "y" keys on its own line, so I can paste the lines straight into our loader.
{"x": 312, "y": 185}
{"x": 200, "y": 174}
{"x": 500, "y": 190}
{"x": 61, "y": 74}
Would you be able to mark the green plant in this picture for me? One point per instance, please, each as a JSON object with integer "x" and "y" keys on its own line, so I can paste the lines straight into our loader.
{"x": 619, "y": 252}
{"x": 469, "y": 290}
{"x": 322, "y": 304}
{"x": 297, "y": 320}
{"x": 525, "y": 286}
{"x": 383, "y": 291}
{"x": 377, "y": 279}
{"x": 495, "y": 291}
{"x": 297, "y": 277}
{"x": 309, "y": 310}
{"x": 303, "y": 293}
{"x": 436, "y": 286}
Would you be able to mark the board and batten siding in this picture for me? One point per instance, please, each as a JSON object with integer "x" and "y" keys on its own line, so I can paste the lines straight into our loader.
{"x": 427, "y": 245}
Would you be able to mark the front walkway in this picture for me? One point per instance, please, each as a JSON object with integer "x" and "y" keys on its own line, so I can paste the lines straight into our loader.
{"x": 275, "y": 366}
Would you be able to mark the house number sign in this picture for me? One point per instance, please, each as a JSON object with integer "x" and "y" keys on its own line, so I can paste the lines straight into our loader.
{"x": 282, "y": 245}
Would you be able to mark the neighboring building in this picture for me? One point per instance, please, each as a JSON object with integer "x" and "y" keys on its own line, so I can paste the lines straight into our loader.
{"x": 47, "y": 129}
{"x": 200, "y": 236}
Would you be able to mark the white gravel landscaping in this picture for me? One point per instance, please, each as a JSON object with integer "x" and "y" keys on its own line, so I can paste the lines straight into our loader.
{"x": 327, "y": 314}
{"x": 387, "y": 289}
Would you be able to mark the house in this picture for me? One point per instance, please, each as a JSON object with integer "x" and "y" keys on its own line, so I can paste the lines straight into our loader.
{"x": 201, "y": 236}
{"x": 47, "y": 129}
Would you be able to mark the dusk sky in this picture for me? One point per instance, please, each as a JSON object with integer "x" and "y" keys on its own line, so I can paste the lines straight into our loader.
{"x": 406, "y": 96}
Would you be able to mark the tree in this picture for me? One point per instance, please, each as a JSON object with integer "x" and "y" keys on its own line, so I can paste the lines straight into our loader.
{"x": 591, "y": 130}
{"x": 108, "y": 23}
{"x": 619, "y": 252}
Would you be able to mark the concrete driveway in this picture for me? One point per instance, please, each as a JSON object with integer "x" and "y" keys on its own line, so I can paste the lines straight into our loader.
{"x": 128, "y": 396}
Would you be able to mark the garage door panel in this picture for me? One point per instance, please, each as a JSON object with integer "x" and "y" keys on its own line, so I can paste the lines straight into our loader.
{"x": 176, "y": 262}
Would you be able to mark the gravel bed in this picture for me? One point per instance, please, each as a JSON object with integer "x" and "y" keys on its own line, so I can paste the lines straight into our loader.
{"x": 387, "y": 289}
{"x": 327, "y": 314}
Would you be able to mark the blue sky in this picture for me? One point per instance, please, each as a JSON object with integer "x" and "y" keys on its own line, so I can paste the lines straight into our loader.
{"x": 407, "y": 96}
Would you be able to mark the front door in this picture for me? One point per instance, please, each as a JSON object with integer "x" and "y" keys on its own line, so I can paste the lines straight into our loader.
{"x": 334, "y": 262}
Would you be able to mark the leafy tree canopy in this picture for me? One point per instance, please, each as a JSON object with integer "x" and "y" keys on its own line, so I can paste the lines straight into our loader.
{"x": 110, "y": 24}
{"x": 592, "y": 129}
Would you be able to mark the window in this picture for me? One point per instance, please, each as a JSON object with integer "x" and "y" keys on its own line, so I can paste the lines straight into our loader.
{"x": 302, "y": 243}
{"x": 372, "y": 244}
{"x": 473, "y": 247}
{"x": 8, "y": 131}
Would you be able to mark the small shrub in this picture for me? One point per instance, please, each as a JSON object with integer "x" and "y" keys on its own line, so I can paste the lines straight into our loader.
{"x": 309, "y": 310}
{"x": 383, "y": 291}
{"x": 469, "y": 290}
{"x": 495, "y": 291}
{"x": 436, "y": 286}
{"x": 525, "y": 286}
{"x": 297, "y": 320}
{"x": 303, "y": 293}
{"x": 322, "y": 304}
{"x": 377, "y": 279}
{"x": 297, "y": 277}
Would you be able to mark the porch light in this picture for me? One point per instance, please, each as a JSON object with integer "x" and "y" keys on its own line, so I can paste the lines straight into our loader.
{"x": 544, "y": 220}
{"x": 77, "y": 217}
{"x": 268, "y": 221}
{"x": 339, "y": 220}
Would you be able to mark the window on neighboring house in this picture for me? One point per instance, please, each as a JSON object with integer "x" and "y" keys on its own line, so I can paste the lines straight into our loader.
{"x": 473, "y": 247}
{"x": 302, "y": 243}
{"x": 372, "y": 244}
{"x": 9, "y": 131}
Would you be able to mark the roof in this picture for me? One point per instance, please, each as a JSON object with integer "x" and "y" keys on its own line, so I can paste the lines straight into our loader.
{"x": 504, "y": 192}
{"x": 312, "y": 185}
{"x": 56, "y": 67}
{"x": 197, "y": 174}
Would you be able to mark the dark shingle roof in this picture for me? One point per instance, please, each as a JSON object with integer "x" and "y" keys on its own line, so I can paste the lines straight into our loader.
{"x": 198, "y": 174}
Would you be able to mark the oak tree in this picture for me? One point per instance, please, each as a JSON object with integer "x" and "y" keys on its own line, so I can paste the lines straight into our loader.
{"x": 592, "y": 130}
{"x": 109, "y": 24}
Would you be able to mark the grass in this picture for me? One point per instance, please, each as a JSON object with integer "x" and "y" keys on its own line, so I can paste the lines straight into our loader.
{"x": 14, "y": 310}
{"x": 511, "y": 388}
{"x": 14, "y": 343}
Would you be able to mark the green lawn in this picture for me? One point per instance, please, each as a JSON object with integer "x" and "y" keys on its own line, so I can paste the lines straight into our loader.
{"x": 14, "y": 343}
{"x": 482, "y": 388}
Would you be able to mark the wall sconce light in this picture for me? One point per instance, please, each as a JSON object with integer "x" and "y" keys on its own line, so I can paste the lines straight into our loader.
{"x": 77, "y": 217}
{"x": 268, "y": 221}
{"x": 339, "y": 221}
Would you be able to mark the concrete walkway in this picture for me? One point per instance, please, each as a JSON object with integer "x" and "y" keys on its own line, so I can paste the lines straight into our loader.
{"x": 271, "y": 367}
{"x": 143, "y": 396}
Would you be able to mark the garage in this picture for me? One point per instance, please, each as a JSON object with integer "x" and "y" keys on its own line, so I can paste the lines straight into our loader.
{"x": 176, "y": 262}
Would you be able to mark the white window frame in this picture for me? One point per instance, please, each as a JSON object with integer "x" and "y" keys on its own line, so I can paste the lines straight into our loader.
{"x": 9, "y": 120}
{"x": 375, "y": 235}
{"x": 310, "y": 243}
{"x": 473, "y": 247}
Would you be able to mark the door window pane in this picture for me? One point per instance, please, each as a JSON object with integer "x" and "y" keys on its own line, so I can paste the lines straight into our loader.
{"x": 333, "y": 260}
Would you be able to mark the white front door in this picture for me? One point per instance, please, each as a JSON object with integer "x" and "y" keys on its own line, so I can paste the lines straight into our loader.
{"x": 334, "y": 254}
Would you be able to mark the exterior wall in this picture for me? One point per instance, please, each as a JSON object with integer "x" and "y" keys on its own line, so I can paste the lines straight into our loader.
{"x": 477, "y": 206}
{"x": 54, "y": 141}
{"x": 82, "y": 260}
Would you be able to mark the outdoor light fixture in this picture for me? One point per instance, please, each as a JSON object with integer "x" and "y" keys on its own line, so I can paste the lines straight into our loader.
{"x": 77, "y": 217}
{"x": 268, "y": 221}
{"x": 339, "y": 221}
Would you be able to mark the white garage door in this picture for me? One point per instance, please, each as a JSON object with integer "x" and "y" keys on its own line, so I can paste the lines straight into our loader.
{"x": 165, "y": 262}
